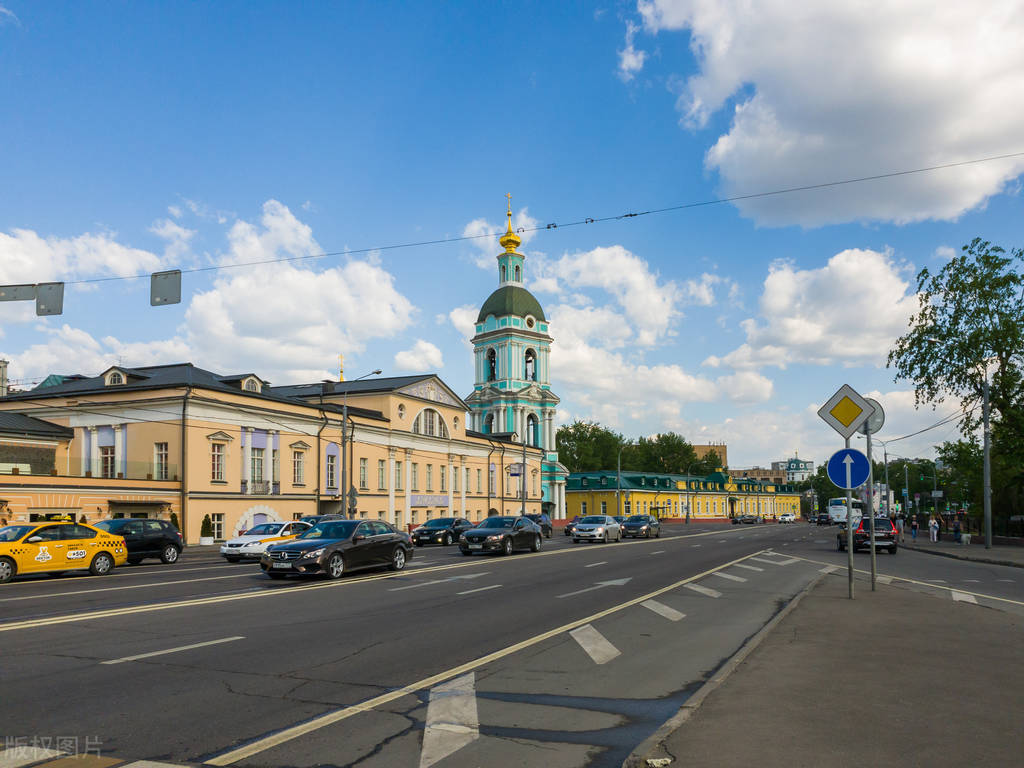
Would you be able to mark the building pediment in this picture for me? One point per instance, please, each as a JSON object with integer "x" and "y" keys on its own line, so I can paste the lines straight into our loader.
{"x": 220, "y": 437}
{"x": 434, "y": 390}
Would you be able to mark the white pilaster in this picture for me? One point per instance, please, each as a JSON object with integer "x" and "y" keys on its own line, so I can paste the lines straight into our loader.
{"x": 118, "y": 447}
{"x": 450, "y": 489}
{"x": 86, "y": 444}
{"x": 463, "y": 482}
{"x": 408, "y": 486}
{"x": 94, "y": 453}
{"x": 391, "y": 486}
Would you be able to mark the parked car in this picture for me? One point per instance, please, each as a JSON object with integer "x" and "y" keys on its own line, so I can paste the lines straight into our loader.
{"x": 571, "y": 525}
{"x": 53, "y": 548}
{"x": 503, "y": 534}
{"x": 787, "y": 517}
{"x": 144, "y": 538}
{"x": 314, "y": 519}
{"x": 254, "y": 542}
{"x": 885, "y": 535}
{"x": 621, "y": 519}
{"x": 823, "y": 519}
{"x": 642, "y": 525}
{"x": 597, "y": 528}
{"x": 334, "y": 547}
{"x": 544, "y": 522}
{"x": 443, "y": 530}
{"x": 746, "y": 519}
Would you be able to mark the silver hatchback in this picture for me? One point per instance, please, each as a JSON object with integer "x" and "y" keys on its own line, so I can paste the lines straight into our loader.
{"x": 597, "y": 528}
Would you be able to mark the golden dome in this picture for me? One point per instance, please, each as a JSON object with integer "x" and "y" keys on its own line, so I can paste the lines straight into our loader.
{"x": 510, "y": 240}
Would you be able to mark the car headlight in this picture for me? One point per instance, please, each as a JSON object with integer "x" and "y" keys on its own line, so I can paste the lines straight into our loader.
{"x": 493, "y": 538}
{"x": 462, "y": 537}
{"x": 315, "y": 552}
{"x": 599, "y": 530}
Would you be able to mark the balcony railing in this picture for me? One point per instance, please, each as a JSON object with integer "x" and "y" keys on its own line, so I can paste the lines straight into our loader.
{"x": 132, "y": 470}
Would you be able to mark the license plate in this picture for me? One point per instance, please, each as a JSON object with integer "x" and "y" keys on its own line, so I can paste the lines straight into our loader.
{"x": 283, "y": 565}
{"x": 476, "y": 546}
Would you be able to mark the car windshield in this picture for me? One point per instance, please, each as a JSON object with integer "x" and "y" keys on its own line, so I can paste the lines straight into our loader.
{"x": 110, "y": 525}
{"x": 536, "y": 518}
{"x": 441, "y": 522}
{"x": 340, "y": 529}
{"x": 498, "y": 522}
{"x": 637, "y": 519}
{"x": 593, "y": 520}
{"x": 14, "y": 532}
{"x": 266, "y": 529}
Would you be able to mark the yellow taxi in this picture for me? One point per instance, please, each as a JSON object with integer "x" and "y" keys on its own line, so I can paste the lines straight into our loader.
{"x": 54, "y": 547}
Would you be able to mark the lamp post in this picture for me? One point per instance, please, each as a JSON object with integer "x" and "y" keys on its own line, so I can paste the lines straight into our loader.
{"x": 692, "y": 464}
{"x": 344, "y": 441}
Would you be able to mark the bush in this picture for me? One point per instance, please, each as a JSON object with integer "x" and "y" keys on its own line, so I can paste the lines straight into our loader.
{"x": 206, "y": 530}
{"x": 174, "y": 520}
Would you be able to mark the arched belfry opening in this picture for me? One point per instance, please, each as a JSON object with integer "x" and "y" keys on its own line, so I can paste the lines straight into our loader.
{"x": 530, "y": 365}
{"x": 489, "y": 424}
{"x": 532, "y": 433}
{"x": 492, "y": 365}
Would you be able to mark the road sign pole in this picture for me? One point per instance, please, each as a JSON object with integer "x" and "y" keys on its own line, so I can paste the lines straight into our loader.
{"x": 871, "y": 506}
{"x": 849, "y": 528}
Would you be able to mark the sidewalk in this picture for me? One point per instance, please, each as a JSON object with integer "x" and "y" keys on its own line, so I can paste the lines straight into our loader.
{"x": 892, "y": 678}
{"x": 1000, "y": 554}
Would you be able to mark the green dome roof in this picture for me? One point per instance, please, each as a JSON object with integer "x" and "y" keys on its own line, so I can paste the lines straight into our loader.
{"x": 511, "y": 300}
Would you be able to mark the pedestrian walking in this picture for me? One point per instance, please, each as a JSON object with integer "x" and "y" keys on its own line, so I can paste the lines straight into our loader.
{"x": 956, "y": 531}
{"x": 933, "y": 529}
{"x": 913, "y": 529}
{"x": 899, "y": 529}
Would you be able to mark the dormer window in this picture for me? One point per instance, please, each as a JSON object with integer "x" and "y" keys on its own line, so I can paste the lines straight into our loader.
{"x": 251, "y": 384}
{"x": 115, "y": 378}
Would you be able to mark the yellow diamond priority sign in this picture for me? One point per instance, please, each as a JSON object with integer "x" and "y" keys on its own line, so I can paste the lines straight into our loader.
{"x": 846, "y": 411}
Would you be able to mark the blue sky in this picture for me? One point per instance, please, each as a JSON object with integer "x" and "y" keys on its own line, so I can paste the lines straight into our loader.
{"x": 145, "y": 136}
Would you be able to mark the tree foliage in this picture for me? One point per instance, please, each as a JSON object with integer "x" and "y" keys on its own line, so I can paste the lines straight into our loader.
{"x": 585, "y": 446}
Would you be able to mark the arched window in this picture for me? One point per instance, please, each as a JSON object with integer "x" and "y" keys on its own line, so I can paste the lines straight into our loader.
{"x": 532, "y": 434}
{"x": 429, "y": 422}
{"x": 116, "y": 378}
{"x": 503, "y": 273}
{"x": 489, "y": 423}
{"x": 455, "y": 423}
{"x": 251, "y": 385}
{"x": 492, "y": 365}
{"x": 517, "y": 273}
{"x": 530, "y": 363}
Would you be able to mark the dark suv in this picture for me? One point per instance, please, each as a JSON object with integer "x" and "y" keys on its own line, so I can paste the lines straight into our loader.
{"x": 885, "y": 535}
{"x": 443, "y": 530}
{"x": 146, "y": 538}
{"x": 544, "y": 522}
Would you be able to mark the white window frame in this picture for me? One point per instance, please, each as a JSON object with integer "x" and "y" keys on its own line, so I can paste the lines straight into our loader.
{"x": 160, "y": 455}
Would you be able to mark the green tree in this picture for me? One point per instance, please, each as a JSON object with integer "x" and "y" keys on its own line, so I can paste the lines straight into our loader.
{"x": 174, "y": 520}
{"x": 206, "y": 528}
{"x": 667, "y": 453}
{"x": 585, "y": 446}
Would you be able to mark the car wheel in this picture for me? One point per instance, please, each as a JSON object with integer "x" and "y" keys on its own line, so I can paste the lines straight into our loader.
{"x": 335, "y": 566}
{"x": 550, "y": 533}
{"x": 7, "y": 569}
{"x": 447, "y": 539}
{"x": 170, "y": 554}
{"x": 506, "y": 546}
{"x": 658, "y": 534}
{"x": 397, "y": 559}
{"x": 273, "y": 575}
{"x": 535, "y": 547}
{"x": 892, "y": 550}
{"x": 101, "y": 565}
{"x": 606, "y": 537}
{"x": 618, "y": 536}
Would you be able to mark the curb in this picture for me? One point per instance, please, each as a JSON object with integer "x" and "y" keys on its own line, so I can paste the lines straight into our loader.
{"x": 639, "y": 757}
{"x": 955, "y": 556}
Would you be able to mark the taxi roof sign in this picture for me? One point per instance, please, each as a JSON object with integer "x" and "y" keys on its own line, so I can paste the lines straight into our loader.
{"x": 846, "y": 411}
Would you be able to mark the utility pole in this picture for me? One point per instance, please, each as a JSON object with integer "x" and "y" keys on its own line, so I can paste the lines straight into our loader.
{"x": 522, "y": 478}
{"x": 987, "y": 472}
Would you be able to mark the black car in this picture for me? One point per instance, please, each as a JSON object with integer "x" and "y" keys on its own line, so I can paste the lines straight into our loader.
{"x": 641, "y": 525}
{"x": 144, "y": 538}
{"x": 544, "y": 522}
{"x": 502, "y": 534}
{"x": 443, "y": 530}
{"x": 823, "y": 519}
{"x": 885, "y": 535}
{"x": 335, "y": 547}
{"x": 314, "y": 519}
{"x": 571, "y": 525}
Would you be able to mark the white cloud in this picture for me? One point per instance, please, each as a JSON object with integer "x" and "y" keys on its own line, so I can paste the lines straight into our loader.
{"x": 177, "y": 238}
{"x": 747, "y": 387}
{"x": 174, "y": 210}
{"x": 25, "y": 257}
{"x": 486, "y": 236}
{"x": 422, "y": 357}
{"x": 464, "y": 320}
{"x": 847, "y": 312}
{"x": 945, "y": 253}
{"x": 841, "y": 90}
{"x": 7, "y": 14}
{"x": 631, "y": 61}
{"x": 702, "y": 292}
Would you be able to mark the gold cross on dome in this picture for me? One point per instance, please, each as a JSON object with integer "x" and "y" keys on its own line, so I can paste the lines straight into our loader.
{"x": 509, "y": 196}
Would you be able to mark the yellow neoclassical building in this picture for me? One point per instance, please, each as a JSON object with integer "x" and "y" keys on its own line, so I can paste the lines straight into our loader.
{"x": 716, "y": 496}
{"x": 178, "y": 439}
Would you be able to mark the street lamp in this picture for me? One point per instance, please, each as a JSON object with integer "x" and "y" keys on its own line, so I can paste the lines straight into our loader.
{"x": 344, "y": 441}
{"x": 687, "y": 481}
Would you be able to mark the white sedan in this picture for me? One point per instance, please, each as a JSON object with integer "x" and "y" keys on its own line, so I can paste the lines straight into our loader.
{"x": 254, "y": 542}
{"x": 597, "y": 528}
{"x": 787, "y": 517}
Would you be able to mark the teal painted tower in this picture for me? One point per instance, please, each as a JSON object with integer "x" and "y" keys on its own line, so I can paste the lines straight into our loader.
{"x": 512, "y": 381}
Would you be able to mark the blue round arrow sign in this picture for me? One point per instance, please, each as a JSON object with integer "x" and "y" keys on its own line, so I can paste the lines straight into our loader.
{"x": 848, "y": 468}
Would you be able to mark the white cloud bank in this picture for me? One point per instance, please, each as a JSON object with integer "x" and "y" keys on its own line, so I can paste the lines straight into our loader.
{"x": 839, "y": 90}
{"x": 422, "y": 357}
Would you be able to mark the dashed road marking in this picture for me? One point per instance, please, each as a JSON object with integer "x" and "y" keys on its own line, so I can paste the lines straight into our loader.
{"x": 658, "y": 552}
{"x": 595, "y": 644}
{"x": 749, "y": 567}
{"x": 695, "y": 545}
{"x": 971, "y": 581}
{"x": 963, "y": 597}
{"x": 729, "y": 576}
{"x": 936, "y": 581}
{"x": 704, "y": 590}
{"x": 172, "y": 650}
{"x": 248, "y": 575}
{"x": 591, "y": 565}
{"x": 884, "y": 579}
{"x": 663, "y": 610}
{"x": 478, "y": 589}
{"x": 829, "y": 569}
{"x": 452, "y": 719}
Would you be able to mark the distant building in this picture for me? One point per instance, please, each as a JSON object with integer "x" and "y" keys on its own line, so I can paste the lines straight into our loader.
{"x": 796, "y": 469}
{"x": 762, "y": 474}
{"x": 721, "y": 449}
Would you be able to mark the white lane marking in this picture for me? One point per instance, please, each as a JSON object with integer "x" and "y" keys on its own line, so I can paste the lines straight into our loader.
{"x": 1006, "y": 580}
{"x": 598, "y": 585}
{"x": 829, "y": 569}
{"x": 971, "y": 581}
{"x": 884, "y": 579}
{"x": 452, "y": 719}
{"x": 695, "y": 545}
{"x": 439, "y": 581}
{"x": 729, "y": 576}
{"x": 704, "y": 590}
{"x": 963, "y": 597}
{"x": 749, "y": 567}
{"x": 478, "y": 589}
{"x": 723, "y": 541}
{"x": 658, "y": 552}
{"x": 16, "y": 757}
{"x": 762, "y": 560}
{"x": 127, "y": 586}
{"x": 790, "y": 561}
{"x": 591, "y": 565}
{"x": 152, "y": 764}
{"x": 172, "y": 650}
{"x": 595, "y": 644}
{"x": 663, "y": 610}
{"x": 936, "y": 581}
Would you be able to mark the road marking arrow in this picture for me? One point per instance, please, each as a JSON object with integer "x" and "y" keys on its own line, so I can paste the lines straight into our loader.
{"x": 848, "y": 461}
{"x": 598, "y": 585}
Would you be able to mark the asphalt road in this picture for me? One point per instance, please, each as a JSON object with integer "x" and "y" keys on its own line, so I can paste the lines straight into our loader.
{"x": 570, "y": 656}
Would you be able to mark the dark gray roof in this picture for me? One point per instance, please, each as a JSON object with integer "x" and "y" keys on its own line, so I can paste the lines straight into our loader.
{"x": 511, "y": 300}
{"x": 19, "y": 424}
{"x": 375, "y": 384}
